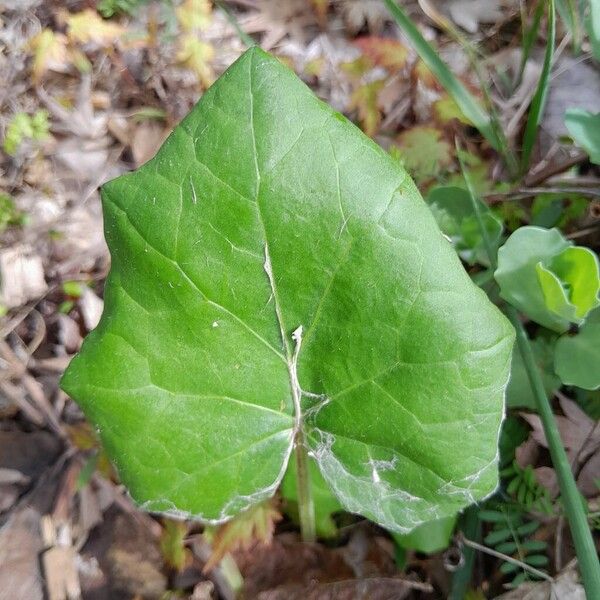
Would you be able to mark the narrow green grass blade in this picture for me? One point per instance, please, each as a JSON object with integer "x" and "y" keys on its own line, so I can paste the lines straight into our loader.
{"x": 570, "y": 14}
{"x": 592, "y": 24}
{"x": 529, "y": 36}
{"x": 459, "y": 93}
{"x": 538, "y": 103}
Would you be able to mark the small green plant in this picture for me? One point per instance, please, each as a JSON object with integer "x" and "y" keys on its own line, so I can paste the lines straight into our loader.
{"x": 25, "y": 127}
{"x": 584, "y": 127}
{"x": 110, "y": 8}
{"x": 511, "y": 535}
{"x": 9, "y": 215}
{"x": 278, "y": 284}
{"x": 577, "y": 356}
{"x": 547, "y": 278}
{"x": 522, "y": 485}
{"x": 451, "y": 207}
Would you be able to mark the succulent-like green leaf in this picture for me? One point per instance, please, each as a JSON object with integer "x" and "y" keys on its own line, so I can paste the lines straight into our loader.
{"x": 429, "y": 537}
{"x": 584, "y": 128}
{"x": 453, "y": 210}
{"x": 518, "y": 392}
{"x": 273, "y": 268}
{"x": 547, "y": 278}
{"x": 577, "y": 357}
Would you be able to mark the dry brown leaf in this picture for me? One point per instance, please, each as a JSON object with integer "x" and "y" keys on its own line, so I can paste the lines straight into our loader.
{"x": 88, "y": 27}
{"x": 384, "y": 52}
{"x": 574, "y": 82}
{"x": 197, "y": 55}
{"x": 194, "y": 14}
{"x": 21, "y": 276}
{"x": 527, "y": 453}
{"x": 58, "y": 562}
{"x": 360, "y": 13}
{"x": 578, "y": 432}
{"x": 147, "y": 138}
{"x": 203, "y": 590}
{"x": 255, "y": 525}
{"x": 172, "y": 543}
{"x": 321, "y": 7}
{"x": 20, "y": 544}
{"x": 469, "y": 14}
{"x": 564, "y": 587}
{"x": 49, "y": 53}
{"x": 69, "y": 335}
{"x": 588, "y": 481}
{"x": 280, "y": 19}
{"x": 91, "y": 308}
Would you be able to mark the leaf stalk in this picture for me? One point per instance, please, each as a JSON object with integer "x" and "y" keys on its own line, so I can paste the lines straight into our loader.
{"x": 306, "y": 507}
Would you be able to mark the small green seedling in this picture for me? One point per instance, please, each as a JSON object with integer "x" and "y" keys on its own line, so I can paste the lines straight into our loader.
{"x": 453, "y": 210}
{"x": 278, "y": 283}
{"x": 547, "y": 278}
{"x": 24, "y": 127}
{"x": 584, "y": 128}
{"x": 577, "y": 357}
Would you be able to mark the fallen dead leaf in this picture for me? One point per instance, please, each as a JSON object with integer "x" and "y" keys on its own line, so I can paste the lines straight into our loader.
{"x": 360, "y": 13}
{"x": 565, "y": 587}
{"x": 91, "y": 308}
{"x": 68, "y": 333}
{"x": 197, "y": 55}
{"x": 49, "y": 53}
{"x": 21, "y": 276}
{"x": 87, "y": 27}
{"x": 246, "y": 530}
{"x": 469, "y": 15}
{"x": 574, "y": 83}
{"x": 147, "y": 138}
{"x": 61, "y": 580}
{"x": 589, "y": 476}
{"x": 194, "y": 14}
{"x": 385, "y": 52}
{"x": 578, "y": 432}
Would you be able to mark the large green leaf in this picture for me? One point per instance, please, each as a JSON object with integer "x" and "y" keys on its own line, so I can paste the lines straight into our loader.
{"x": 273, "y": 268}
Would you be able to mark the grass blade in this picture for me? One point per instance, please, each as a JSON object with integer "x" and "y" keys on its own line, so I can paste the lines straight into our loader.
{"x": 529, "y": 36}
{"x": 459, "y": 93}
{"x": 592, "y": 24}
{"x": 538, "y": 103}
{"x": 569, "y": 12}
